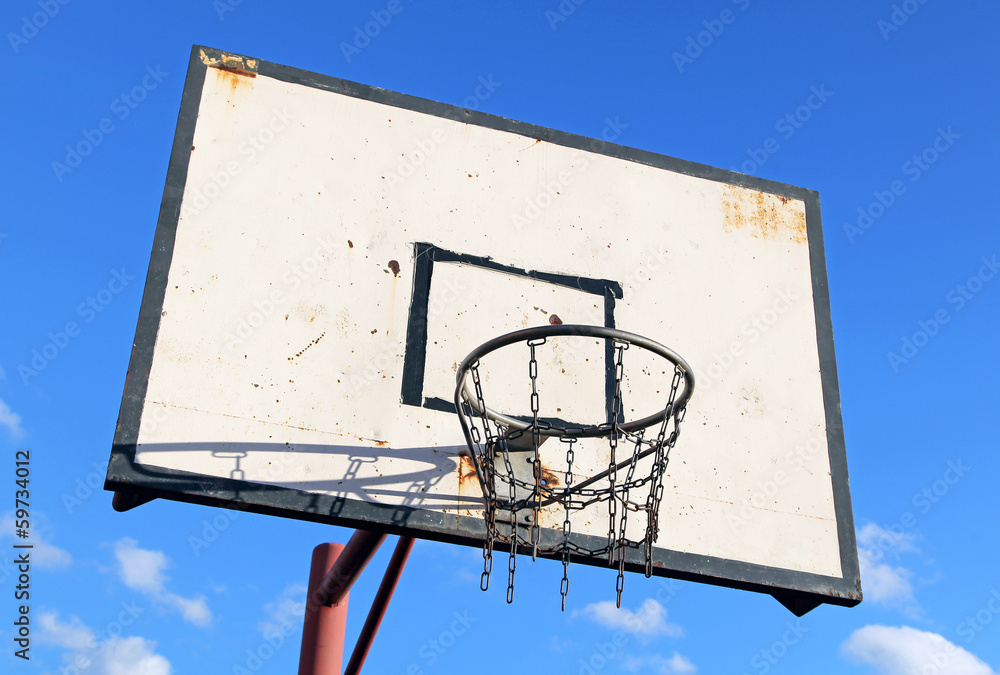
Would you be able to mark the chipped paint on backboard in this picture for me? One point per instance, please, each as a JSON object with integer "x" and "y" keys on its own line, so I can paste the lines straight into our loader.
{"x": 243, "y": 65}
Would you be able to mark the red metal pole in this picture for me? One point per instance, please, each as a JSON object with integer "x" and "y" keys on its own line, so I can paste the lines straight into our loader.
{"x": 377, "y": 612}
{"x": 356, "y": 555}
{"x": 323, "y": 628}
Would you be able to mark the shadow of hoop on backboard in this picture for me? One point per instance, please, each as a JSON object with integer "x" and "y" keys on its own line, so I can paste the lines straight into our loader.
{"x": 420, "y": 478}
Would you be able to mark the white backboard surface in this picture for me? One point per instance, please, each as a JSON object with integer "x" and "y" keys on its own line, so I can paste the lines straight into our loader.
{"x": 327, "y": 253}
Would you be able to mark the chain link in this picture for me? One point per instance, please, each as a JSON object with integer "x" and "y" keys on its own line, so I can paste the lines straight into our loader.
{"x": 567, "y": 525}
{"x": 663, "y": 446}
{"x": 536, "y": 466}
{"x": 512, "y": 493}
{"x": 616, "y": 407}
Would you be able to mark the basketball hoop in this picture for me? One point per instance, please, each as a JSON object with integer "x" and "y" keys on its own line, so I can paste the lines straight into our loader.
{"x": 502, "y": 445}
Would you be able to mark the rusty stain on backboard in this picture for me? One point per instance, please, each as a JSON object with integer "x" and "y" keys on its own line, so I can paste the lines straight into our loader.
{"x": 230, "y": 69}
{"x": 763, "y": 215}
{"x": 466, "y": 472}
{"x": 549, "y": 479}
{"x": 233, "y": 79}
{"x": 470, "y": 492}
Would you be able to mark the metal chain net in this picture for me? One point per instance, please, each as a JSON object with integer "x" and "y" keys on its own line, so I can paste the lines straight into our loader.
{"x": 506, "y": 495}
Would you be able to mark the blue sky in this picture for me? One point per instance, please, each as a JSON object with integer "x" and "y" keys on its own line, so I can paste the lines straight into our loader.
{"x": 897, "y": 134}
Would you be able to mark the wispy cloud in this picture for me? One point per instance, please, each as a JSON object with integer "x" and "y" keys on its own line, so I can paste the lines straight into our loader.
{"x": 44, "y": 554}
{"x": 143, "y": 570}
{"x": 884, "y": 583}
{"x": 48, "y": 556}
{"x": 679, "y": 664}
{"x": 675, "y": 665}
{"x": 68, "y": 635}
{"x": 285, "y": 611}
{"x": 648, "y": 621}
{"x": 559, "y": 645}
{"x": 903, "y": 650}
{"x": 873, "y": 536}
{"x": 87, "y": 656}
{"x": 194, "y": 610}
{"x": 10, "y": 419}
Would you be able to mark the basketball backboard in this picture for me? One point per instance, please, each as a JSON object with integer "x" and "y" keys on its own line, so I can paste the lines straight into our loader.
{"x": 327, "y": 253}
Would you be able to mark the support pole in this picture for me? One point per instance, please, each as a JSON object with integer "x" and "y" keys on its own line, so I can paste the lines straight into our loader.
{"x": 323, "y": 628}
{"x": 356, "y": 554}
{"x": 377, "y": 611}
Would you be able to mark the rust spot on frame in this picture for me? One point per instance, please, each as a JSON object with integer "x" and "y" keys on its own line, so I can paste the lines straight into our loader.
{"x": 394, "y": 266}
{"x": 231, "y": 70}
{"x": 233, "y": 63}
{"x": 763, "y": 215}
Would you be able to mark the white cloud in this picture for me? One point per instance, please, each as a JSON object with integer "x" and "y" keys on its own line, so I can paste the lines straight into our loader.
{"x": 114, "y": 656}
{"x": 886, "y": 584}
{"x": 872, "y": 536}
{"x": 679, "y": 664}
{"x": 285, "y": 613}
{"x": 649, "y": 620}
{"x": 140, "y": 569}
{"x": 127, "y": 656}
{"x": 73, "y": 635}
{"x": 45, "y": 555}
{"x": 903, "y": 650}
{"x": 675, "y": 665}
{"x": 11, "y": 420}
{"x": 144, "y": 570}
{"x": 194, "y": 610}
{"x": 50, "y": 557}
